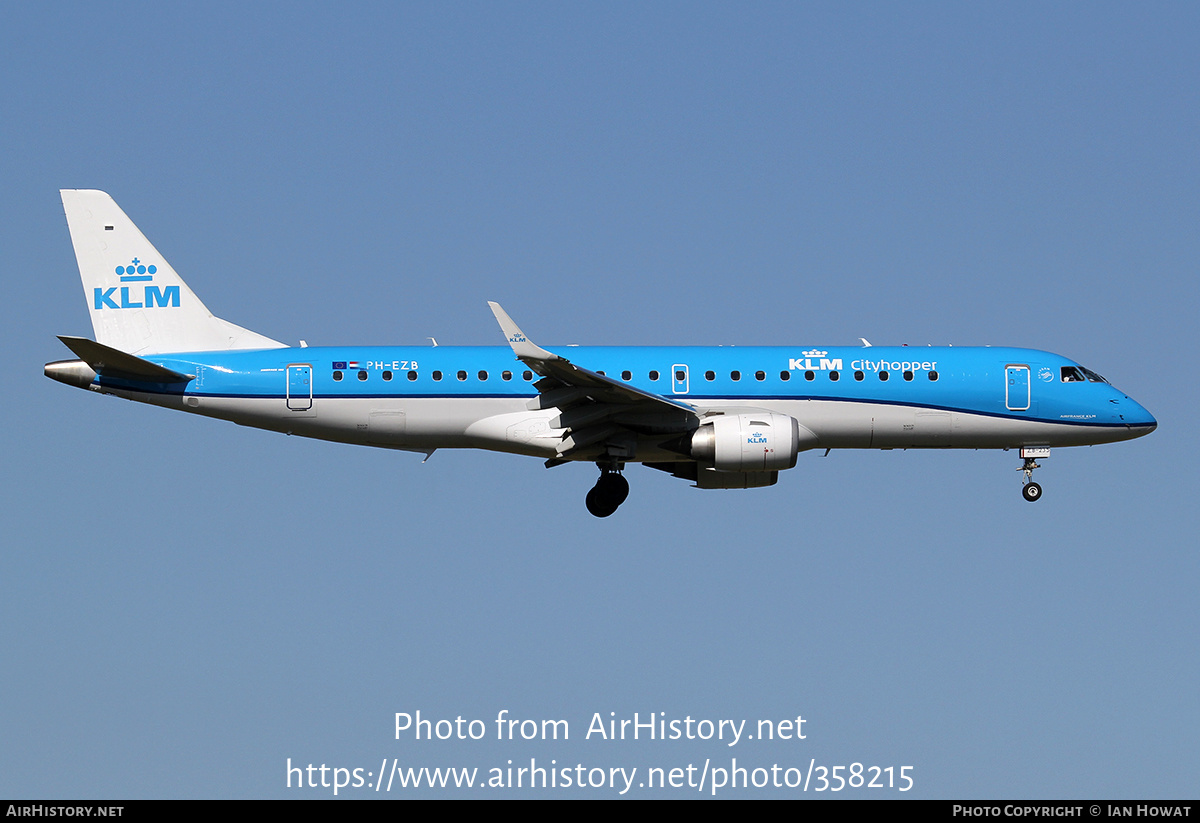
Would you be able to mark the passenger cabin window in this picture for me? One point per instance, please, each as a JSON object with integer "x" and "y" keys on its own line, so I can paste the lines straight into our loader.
{"x": 710, "y": 376}
{"x": 337, "y": 375}
{"x": 412, "y": 375}
{"x": 680, "y": 375}
{"x": 858, "y": 376}
{"x": 626, "y": 375}
{"x": 482, "y": 374}
{"x": 506, "y": 375}
{"x": 785, "y": 376}
{"x": 526, "y": 375}
{"x": 653, "y": 374}
{"x": 735, "y": 375}
{"x": 810, "y": 375}
{"x": 462, "y": 375}
{"x": 834, "y": 376}
{"x": 908, "y": 376}
{"x": 883, "y": 376}
{"x": 387, "y": 375}
{"x": 933, "y": 376}
{"x": 437, "y": 375}
{"x": 760, "y": 375}
{"x": 362, "y": 375}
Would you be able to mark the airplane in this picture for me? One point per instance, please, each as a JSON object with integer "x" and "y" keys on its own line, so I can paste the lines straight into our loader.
{"x": 720, "y": 417}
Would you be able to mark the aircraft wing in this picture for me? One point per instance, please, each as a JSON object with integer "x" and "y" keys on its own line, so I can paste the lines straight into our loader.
{"x": 598, "y": 412}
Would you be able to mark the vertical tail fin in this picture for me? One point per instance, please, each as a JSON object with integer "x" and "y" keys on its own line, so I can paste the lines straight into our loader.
{"x": 137, "y": 302}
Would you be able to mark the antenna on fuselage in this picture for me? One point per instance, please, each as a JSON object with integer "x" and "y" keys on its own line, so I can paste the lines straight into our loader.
{"x": 865, "y": 343}
{"x": 434, "y": 345}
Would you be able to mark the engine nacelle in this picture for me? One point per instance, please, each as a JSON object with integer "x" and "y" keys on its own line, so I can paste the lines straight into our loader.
{"x": 754, "y": 442}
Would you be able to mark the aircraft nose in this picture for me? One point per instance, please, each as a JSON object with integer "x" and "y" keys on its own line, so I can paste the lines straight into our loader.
{"x": 1137, "y": 418}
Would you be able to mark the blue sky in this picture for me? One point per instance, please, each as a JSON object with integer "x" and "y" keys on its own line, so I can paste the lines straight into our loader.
{"x": 188, "y": 604}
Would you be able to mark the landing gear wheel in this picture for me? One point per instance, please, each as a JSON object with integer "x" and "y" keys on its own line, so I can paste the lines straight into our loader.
{"x": 615, "y": 486}
{"x": 1032, "y": 492}
{"x": 597, "y": 504}
{"x": 607, "y": 495}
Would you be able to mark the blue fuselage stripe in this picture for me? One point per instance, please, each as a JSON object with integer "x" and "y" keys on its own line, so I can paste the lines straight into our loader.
{"x": 951, "y": 379}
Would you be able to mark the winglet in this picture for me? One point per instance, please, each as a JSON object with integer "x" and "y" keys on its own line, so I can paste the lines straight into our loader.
{"x": 522, "y": 346}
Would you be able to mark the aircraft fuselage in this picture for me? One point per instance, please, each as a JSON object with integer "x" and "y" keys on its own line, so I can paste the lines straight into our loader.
{"x": 421, "y": 398}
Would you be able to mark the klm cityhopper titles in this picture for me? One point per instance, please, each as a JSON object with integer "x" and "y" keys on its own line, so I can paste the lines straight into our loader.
{"x": 723, "y": 418}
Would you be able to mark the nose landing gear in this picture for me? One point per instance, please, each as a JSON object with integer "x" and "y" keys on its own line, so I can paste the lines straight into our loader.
{"x": 609, "y": 492}
{"x": 1031, "y": 491}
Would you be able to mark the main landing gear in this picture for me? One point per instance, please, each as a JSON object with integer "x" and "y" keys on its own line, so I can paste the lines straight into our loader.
{"x": 609, "y": 492}
{"x": 1031, "y": 491}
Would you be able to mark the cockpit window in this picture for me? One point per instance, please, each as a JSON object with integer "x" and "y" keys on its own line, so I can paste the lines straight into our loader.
{"x": 1078, "y": 374}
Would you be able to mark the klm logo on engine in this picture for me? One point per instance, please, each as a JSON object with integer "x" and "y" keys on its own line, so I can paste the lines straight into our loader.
{"x": 815, "y": 360}
{"x": 757, "y": 437}
{"x": 135, "y": 297}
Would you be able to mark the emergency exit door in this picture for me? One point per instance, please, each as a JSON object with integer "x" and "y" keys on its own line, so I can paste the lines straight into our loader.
{"x": 679, "y": 378}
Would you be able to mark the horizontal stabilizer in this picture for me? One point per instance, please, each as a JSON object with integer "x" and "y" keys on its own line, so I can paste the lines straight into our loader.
{"x": 109, "y": 362}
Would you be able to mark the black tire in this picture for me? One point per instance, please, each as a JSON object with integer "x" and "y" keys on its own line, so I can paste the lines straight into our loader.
{"x": 615, "y": 487}
{"x": 598, "y": 503}
{"x": 607, "y": 495}
{"x": 1032, "y": 492}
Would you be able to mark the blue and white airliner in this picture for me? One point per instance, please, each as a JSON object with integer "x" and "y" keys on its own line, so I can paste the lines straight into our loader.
{"x": 722, "y": 418}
